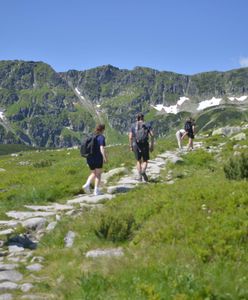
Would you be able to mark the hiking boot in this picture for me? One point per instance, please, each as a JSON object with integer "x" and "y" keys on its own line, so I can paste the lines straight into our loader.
{"x": 144, "y": 176}
{"x": 139, "y": 178}
{"x": 86, "y": 189}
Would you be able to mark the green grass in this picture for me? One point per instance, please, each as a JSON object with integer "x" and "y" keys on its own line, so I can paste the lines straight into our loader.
{"x": 188, "y": 243}
{"x": 182, "y": 241}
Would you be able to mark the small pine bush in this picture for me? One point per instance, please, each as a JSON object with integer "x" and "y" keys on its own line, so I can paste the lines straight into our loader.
{"x": 115, "y": 227}
{"x": 237, "y": 168}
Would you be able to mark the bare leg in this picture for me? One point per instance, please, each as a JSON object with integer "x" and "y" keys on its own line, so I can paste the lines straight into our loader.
{"x": 190, "y": 144}
{"x": 86, "y": 186}
{"x": 144, "y": 166}
{"x": 178, "y": 136}
{"x": 98, "y": 173}
{"x": 90, "y": 178}
{"x": 139, "y": 168}
{"x": 143, "y": 172}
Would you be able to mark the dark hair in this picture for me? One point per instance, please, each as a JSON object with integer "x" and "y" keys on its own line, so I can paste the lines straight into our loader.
{"x": 99, "y": 128}
{"x": 140, "y": 117}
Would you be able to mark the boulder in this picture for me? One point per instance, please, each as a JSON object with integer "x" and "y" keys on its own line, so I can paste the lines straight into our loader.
{"x": 105, "y": 252}
{"x": 239, "y": 137}
{"x": 227, "y": 131}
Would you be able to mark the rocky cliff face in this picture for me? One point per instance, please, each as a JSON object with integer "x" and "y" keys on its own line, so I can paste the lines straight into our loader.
{"x": 47, "y": 109}
{"x": 123, "y": 93}
{"x": 38, "y": 107}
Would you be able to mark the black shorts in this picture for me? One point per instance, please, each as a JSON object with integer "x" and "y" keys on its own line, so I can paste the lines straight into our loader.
{"x": 94, "y": 163}
{"x": 141, "y": 152}
{"x": 94, "y": 166}
{"x": 191, "y": 135}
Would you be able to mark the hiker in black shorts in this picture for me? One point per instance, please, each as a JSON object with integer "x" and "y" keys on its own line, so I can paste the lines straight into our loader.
{"x": 189, "y": 128}
{"x": 95, "y": 161}
{"x": 139, "y": 143}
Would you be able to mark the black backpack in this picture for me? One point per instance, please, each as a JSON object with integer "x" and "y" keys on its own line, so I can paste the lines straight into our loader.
{"x": 141, "y": 134}
{"x": 188, "y": 127}
{"x": 87, "y": 146}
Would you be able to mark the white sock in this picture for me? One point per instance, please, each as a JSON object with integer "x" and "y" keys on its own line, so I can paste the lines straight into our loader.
{"x": 87, "y": 183}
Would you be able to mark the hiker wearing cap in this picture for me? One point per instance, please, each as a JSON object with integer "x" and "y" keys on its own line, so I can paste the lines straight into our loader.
{"x": 139, "y": 135}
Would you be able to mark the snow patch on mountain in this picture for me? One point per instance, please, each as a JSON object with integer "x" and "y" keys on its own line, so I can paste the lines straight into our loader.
{"x": 208, "y": 103}
{"x": 79, "y": 94}
{"x": 242, "y": 98}
{"x": 1, "y": 115}
{"x": 172, "y": 109}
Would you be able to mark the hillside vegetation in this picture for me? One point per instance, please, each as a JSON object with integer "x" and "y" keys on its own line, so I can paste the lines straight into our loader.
{"x": 43, "y": 108}
{"x": 182, "y": 241}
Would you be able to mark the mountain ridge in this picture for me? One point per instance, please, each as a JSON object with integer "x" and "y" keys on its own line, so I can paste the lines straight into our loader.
{"x": 46, "y": 108}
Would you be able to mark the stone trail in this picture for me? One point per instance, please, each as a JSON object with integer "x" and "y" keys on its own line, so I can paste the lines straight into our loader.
{"x": 38, "y": 220}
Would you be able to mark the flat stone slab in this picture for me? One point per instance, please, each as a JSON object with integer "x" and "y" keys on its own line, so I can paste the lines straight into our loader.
{"x": 128, "y": 181}
{"x": 69, "y": 239}
{"x": 6, "y": 231}
{"x": 90, "y": 199}
{"x": 119, "y": 189}
{"x": 113, "y": 172}
{"x": 34, "y": 267}
{"x": 10, "y": 223}
{"x": 6, "y": 297}
{"x": 157, "y": 162}
{"x": 153, "y": 169}
{"x": 51, "y": 226}
{"x": 34, "y": 223}
{"x": 10, "y": 275}
{"x": 8, "y": 285}
{"x": 5, "y": 267}
{"x": 105, "y": 252}
{"x": 22, "y": 215}
{"x": 54, "y": 207}
{"x": 15, "y": 249}
{"x": 26, "y": 287}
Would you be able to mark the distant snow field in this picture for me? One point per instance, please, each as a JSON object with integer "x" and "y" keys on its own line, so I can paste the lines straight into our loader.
{"x": 208, "y": 103}
{"x": 174, "y": 109}
{"x": 242, "y": 98}
{"x": 1, "y": 115}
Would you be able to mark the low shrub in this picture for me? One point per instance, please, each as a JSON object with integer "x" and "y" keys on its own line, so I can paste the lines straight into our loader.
{"x": 42, "y": 163}
{"x": 115, "y": 227}
{"x": 237, "y": 167}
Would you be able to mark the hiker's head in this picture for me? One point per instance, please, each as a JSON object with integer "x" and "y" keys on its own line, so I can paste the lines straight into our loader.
{"x": 140, "y": 117}
{"x": 99, "y": 128}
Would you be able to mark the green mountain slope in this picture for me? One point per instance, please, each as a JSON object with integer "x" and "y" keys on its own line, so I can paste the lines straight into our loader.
{"x": 43, "y": 108}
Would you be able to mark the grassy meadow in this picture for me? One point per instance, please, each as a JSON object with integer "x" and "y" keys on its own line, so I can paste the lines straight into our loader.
{"x": 182, "y": 241}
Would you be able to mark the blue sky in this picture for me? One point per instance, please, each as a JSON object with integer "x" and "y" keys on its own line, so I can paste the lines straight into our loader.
{"x": 183, "y": 36}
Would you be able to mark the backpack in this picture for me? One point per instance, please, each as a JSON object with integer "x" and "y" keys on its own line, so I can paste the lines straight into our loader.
{"x": 188, "y": 127}
{"x": 86, "y": 148}
{"x": 141, "y": 134}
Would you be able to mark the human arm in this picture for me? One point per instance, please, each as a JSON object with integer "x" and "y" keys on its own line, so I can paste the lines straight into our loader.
{"x": 130, "y": 139}
{"x": 183, "y": 136}
{"x": 151, "y": 134}
{"x": 102, "y": 149}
